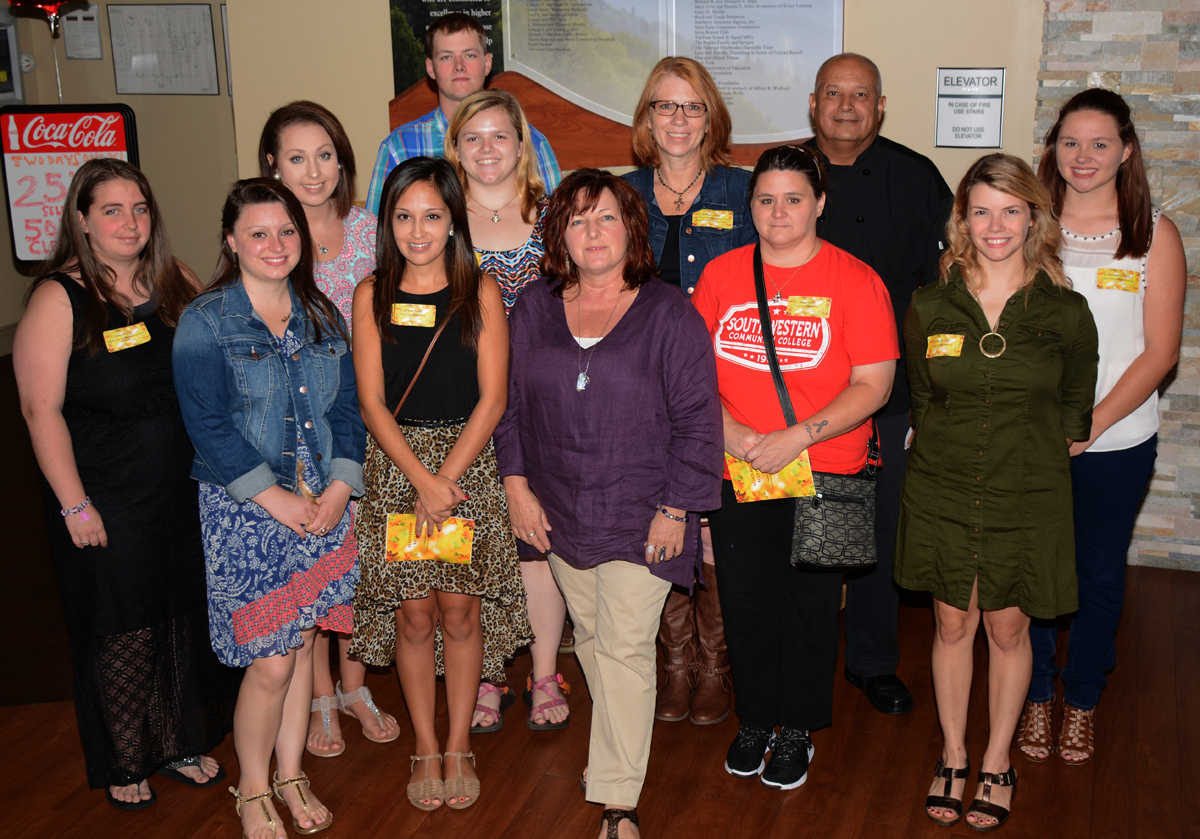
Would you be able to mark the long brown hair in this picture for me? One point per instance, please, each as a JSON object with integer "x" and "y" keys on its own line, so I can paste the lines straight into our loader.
{"x": 256, "y": 191}
{"x": 1012, "y": 176}
{"x": 462, "y": 272}
{"x": 1135, "y": 215}
{"x": 579, "y": 192}
{"x": 715, "y": 149}
{"x": 529, "y": 182}
{"x": 297, "y": 113}
{"x": 157, "y": 271}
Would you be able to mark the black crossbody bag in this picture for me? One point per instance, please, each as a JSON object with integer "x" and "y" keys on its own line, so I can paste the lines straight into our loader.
{"x": 836, "y": 527}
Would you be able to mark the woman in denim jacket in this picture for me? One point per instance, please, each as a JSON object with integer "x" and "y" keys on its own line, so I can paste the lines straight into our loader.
{"x": 266, "y": 384}
{"x": 696, "y": 199}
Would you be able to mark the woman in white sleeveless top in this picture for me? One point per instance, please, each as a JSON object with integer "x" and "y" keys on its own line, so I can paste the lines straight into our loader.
{"x": 1127, "y": 259}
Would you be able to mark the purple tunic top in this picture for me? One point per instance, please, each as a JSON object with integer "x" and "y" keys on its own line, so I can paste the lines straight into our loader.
{"x": 646, "y": 430}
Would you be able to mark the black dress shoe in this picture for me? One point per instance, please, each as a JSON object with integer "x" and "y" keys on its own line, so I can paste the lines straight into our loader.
{"x": 887, "y": 694}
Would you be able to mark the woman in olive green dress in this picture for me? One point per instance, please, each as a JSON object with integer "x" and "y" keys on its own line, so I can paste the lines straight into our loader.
{"x": 1002, "y": 363}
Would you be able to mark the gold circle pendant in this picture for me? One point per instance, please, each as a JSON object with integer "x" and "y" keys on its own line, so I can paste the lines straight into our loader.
{"x": 984, "y": 349}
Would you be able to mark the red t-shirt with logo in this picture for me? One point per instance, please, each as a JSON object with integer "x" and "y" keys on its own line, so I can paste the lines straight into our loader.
{"x": 815, "y": 353}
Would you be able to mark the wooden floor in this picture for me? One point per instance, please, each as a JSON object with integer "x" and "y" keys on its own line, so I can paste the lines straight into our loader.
{"x": 868, "y": 778}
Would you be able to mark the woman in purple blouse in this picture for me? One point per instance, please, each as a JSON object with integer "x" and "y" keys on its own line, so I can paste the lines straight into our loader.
{"x": 611, "y": 441}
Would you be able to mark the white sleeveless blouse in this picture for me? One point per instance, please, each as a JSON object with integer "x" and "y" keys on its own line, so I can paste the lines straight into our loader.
{"x": 1116, "y": 292}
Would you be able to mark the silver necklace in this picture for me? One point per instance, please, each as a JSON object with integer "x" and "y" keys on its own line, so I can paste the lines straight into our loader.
{"x": 581, "y": 383}
{"x": 496, "y": 212}
{"x": 778, "y": 298}
{"x": 679, "y": 200}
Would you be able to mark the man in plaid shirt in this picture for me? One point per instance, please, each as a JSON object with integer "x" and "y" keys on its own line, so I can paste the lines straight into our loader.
{"x": 456, "y": 58}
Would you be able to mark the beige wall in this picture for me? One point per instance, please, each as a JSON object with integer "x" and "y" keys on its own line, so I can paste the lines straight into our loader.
{"x": 185, "y": 143}
{"x": 338, "y": 54}
{"x": 909, "y": 40}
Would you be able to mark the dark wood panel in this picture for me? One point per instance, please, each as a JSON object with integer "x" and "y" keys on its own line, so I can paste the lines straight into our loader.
{"x": 1186, "y": 603}
{"x": 579, "y": 137}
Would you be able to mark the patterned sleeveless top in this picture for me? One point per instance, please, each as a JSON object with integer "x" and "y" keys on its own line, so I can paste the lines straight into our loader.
{"x": 517, "y": 268}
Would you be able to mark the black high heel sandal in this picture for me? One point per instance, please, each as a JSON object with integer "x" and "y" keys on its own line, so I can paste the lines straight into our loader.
{"x": 613, "y": 818}
{"x": 947, "y": 801}
{"x": 985, "y": 807}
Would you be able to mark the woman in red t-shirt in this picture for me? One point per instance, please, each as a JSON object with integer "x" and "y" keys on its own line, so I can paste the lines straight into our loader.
{"x": 838, "y": 357}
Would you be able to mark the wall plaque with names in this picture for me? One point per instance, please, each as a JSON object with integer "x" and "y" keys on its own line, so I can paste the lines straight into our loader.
{"x": 970, "y": 108}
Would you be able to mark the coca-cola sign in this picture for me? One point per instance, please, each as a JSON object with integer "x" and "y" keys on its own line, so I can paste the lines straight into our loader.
{"x": 63, "y": 132}
{"x": 42, "y": 149}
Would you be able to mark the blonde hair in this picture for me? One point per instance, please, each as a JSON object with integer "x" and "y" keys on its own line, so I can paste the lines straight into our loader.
{"x": 715, "y": 147}
{"x": 1012, "y": 176}
{"x": 529, "y": 182}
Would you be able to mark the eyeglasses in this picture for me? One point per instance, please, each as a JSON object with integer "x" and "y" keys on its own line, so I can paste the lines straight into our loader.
{"x": 664, "y": 108}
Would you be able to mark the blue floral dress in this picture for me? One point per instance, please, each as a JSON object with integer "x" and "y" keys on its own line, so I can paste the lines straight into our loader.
{"x": 265, "y": 583}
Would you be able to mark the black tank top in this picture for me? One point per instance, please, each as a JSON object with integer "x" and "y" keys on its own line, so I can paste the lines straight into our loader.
{"x": 448, "y": 388}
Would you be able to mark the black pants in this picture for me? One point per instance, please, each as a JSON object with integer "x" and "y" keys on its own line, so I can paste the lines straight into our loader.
{"x": 780, "y": 623}
{"x": 872, "y": 598}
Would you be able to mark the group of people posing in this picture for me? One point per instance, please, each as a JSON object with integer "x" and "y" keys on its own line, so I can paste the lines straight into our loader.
{"x": 428, "y": 430}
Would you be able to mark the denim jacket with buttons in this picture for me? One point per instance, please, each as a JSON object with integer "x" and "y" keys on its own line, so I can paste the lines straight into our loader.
{"x": 723, "y": 189}
{"x": 244, "y": 403}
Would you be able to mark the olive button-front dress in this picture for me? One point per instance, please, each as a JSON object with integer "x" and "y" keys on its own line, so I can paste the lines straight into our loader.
{"x": 987, "y": 491}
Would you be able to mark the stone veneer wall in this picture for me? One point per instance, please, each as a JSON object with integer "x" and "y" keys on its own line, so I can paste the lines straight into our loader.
{"x": 1149, "y": 52}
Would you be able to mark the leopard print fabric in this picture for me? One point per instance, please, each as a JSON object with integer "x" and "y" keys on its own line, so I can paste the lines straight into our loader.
{"x": 493, "y": 574}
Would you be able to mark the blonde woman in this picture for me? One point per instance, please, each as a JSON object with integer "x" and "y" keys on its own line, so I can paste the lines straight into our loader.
{"x": 1002, "y": 364}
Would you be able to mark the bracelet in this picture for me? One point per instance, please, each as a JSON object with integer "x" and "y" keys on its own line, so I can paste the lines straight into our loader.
{"x": 671, "y": 516}
{"x": 78, "y": 508}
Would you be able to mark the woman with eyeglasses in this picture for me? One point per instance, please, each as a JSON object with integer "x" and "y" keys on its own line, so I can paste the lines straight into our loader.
{"x": 696, "y": 200}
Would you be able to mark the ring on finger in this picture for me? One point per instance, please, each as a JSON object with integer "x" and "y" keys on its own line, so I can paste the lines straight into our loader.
{"x": 531, "y": 534}
{"x": 650, "y": 549}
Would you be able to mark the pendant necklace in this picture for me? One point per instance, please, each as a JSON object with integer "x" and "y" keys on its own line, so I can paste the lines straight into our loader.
{"x": 679, "y": 200}
{"x": 496, "y": 212}
{"x": 987, "y": 350}
{"x": 582, "y": 382}
{"x": 778, "y": 298}
{"x": 321, "y": 248}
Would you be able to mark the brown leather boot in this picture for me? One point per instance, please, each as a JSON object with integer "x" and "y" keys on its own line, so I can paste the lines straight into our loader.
{"x": 677, "y": 633}
{"x": 710, "y": 701}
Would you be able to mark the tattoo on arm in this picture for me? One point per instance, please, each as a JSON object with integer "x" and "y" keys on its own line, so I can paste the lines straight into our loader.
{"x": 814, "y": 429}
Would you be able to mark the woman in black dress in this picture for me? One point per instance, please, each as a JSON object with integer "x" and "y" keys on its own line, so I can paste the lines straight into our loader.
{"x": 93, "y": 365}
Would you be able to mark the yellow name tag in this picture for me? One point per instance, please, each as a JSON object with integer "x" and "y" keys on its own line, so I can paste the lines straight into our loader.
{"x": 414, "y": 314}
{"x": 126, "y": 337}
{"x": 944, "y": 345}
{"x": 809, "y": 307}
{"x": 713, "y": 218}
{"x": 452, "y": 544}
{"x": 1118, "y": 280}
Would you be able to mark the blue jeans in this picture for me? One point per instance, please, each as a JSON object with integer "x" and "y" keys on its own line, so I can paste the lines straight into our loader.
{"x": 1108, "y": 489}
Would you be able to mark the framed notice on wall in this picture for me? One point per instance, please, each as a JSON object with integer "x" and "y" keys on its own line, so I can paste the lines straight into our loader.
{"x": 42, "y": 148}
{"x": 970, "y": 108}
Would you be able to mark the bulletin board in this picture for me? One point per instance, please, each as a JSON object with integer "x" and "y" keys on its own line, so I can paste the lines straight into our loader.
{"x": 42, "y": 147}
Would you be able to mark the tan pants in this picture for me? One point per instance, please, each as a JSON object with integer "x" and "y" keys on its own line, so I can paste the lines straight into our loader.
{"x": 616, "y": 607}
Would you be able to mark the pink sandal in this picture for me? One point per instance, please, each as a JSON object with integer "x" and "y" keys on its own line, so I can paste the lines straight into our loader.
{"x": 554, "y": 682}
{"x": 484, "y": 689}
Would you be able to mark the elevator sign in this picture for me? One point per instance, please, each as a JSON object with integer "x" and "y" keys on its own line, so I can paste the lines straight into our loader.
{"x": 970, "y": 107}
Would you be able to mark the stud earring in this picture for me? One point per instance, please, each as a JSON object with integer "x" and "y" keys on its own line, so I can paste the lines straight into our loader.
{"x": 276, "y": 176}
{"x": 339, "y": 167}
{"x": 451, "y": 232}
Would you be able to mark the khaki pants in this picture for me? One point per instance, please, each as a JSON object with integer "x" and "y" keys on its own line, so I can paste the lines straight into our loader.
{"x": 616, "y": 607}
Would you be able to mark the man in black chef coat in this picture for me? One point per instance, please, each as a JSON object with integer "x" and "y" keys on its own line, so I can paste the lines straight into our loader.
{"x": 886, "y": 205}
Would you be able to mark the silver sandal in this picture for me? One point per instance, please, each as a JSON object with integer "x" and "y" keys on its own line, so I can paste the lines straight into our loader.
{"x": 363, "y": 695}
{"x": 325, "y": 704}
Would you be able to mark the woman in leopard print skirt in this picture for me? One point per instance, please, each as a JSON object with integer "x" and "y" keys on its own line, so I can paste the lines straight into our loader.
{"x": 433, "y": 457}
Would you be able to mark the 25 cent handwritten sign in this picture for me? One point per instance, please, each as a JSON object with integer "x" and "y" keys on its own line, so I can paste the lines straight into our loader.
{"x": 43, "y": 146}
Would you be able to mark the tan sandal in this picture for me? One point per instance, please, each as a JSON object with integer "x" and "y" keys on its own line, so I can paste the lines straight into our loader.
{"x": 431, "y": 789}
{"x": 363, "y": 695}
{"x": 261, "y": 798}
{"x": 1078, "y": 734}
{"x": 296, "y": 782}
{"x": 461, "y": 787}
{"x": 1033, "y": 731}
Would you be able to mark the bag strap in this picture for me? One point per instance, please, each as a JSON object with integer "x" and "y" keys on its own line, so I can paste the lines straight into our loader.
{"x": 764, "y": 318}
{"x": 420, "y": 367}
{"x": 874, "y": 458}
